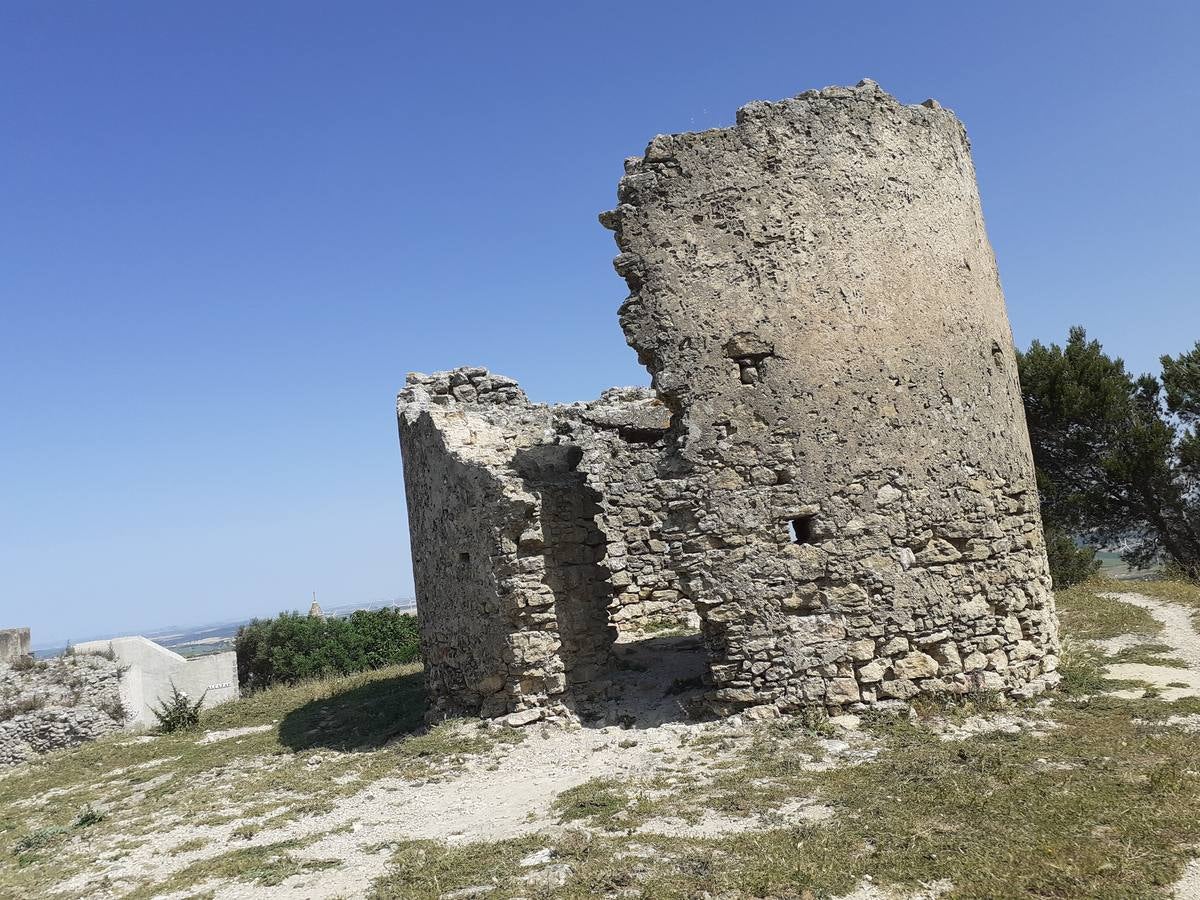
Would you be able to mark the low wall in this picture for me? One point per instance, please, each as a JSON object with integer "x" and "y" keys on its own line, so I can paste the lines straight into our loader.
{"x": 14, "y": 642}
{"x": 152, "y": 669}
{"x": 53, "y": 728}
{"x": 51, "y": 704}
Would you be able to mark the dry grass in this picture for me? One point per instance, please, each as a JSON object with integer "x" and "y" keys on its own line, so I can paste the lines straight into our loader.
{"x": 1086, "y": 615}
{"x": 1185, "y": 593}
{"x": 1106, "y": 805}
{"x": 1100, "y": 800}
{"x": 327, "y": 738}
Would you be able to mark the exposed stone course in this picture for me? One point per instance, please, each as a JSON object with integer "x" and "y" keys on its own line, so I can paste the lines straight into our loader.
{"x": 831, "y": 471}
{"x": 61, "y": 702}
{"x": 537, "y": 535}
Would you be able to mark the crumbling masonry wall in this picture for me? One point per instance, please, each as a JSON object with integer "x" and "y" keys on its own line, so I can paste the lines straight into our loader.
{"x": 832, "y": 469}
{"x": 49, "y": 704}
{"x": 536, "y": 535}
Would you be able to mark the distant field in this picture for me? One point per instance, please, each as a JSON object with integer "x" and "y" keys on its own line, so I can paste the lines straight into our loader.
{"x": 1112, "y": 566}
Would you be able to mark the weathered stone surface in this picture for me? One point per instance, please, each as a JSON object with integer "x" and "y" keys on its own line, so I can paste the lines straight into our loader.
{"x": 833, "y": 460}
{"x": 974, "y": 662}
{"x": 14, "y": 643}
{"x": 523, "y": 717}
{"x": 842, "y": 691}
{"x": 861, "y": 650}
{"x": 51, "y": 704}
{"x": 900, "y": 689}
{"x": 537, "y": 535}
{"x": 916, "y": 665}
{"x": 874, "y": 670}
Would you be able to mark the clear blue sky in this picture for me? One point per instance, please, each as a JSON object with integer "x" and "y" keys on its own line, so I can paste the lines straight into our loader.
{"x": 228, "y": 229}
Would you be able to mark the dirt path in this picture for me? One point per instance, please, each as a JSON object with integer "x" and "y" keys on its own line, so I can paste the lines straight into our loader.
{"x": 511, "y": 792}
{"x": 1188, "y": 887}
{"x": 1180, "y": 634}
{"x": 499, "y": 795}
{"x": 500, "y": 799}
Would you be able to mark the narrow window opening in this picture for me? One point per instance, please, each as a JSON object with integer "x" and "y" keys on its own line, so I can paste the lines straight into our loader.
{"x": 803, "y": 529}
{"x": 464, "y": 557}
{"x": 749, "y": 369}
{"x": 634, "y": 435}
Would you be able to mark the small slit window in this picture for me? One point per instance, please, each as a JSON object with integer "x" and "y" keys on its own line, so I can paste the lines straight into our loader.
{"x": 803, "y": 528}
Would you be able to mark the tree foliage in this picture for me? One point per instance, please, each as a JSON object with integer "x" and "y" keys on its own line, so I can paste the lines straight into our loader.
{"x": 1069, "y": 563}
{"x": 1117, "y": 456}
{"x": 291, "y": 646}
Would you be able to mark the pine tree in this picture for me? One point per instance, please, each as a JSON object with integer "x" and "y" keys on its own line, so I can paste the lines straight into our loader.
{"x": 1118, "y": 457}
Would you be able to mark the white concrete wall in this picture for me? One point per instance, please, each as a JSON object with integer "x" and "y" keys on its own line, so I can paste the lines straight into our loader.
{"x": 153, "y": 669}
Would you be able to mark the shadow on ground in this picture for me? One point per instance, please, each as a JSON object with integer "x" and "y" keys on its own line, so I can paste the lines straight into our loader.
{"x": 362, "y": 718}
{"x": 656, "y": 680}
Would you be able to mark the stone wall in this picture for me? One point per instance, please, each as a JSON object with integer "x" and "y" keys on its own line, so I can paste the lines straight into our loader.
{"x": 101, "y": 686}
{"x": 815, "y": 296}
{"x": 536, "y": 537}
{"x": 56, "y": 703}
{"x": 623, "y": 440}
{"x": 14, "y": 643}
{"x": 832, "y": 468}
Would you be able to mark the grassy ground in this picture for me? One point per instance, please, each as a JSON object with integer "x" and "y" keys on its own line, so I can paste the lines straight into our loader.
{"x": 1098, "y": 797}
{"x": 1085, "y": 796}
{"x": 322, "y": 740}
{"x": 1185, "y": 593}
{"x": 1086, "y": 615}
{"x": 1105, "y": 805}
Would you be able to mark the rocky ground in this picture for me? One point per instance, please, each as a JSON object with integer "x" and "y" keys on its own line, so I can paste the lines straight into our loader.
{"x": 331, "y": 790}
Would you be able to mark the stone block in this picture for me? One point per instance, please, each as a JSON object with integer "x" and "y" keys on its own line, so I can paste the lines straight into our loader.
{"x": 916, "y": 665}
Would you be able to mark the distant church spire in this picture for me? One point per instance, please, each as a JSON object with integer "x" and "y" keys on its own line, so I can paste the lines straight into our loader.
{"x": 314, "y": 611}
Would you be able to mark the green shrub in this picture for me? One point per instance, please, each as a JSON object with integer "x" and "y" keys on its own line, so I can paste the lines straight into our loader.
{"x": 291, "y": 647}
{"x": 114, "y": 708}
{"x": 107, "y": 653}
{"x": 1069, "y": 563}
{"x": 35, "y": 840}
{"x": 179, "y": 713}
{"x": 88, "y": 816}
{"x": 1173, "y": 571}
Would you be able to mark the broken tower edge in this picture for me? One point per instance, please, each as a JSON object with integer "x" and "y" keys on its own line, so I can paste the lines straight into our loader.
{"x": 831, "y": 476}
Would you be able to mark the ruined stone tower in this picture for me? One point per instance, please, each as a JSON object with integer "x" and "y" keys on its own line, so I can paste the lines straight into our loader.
{"x": 831, "y": 471}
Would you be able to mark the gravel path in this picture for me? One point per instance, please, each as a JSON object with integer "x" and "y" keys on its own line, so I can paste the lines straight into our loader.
{"x": 1180, "y": 634}
{"x": 1188, "y": 887}
{"x": 502, "y": 794}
